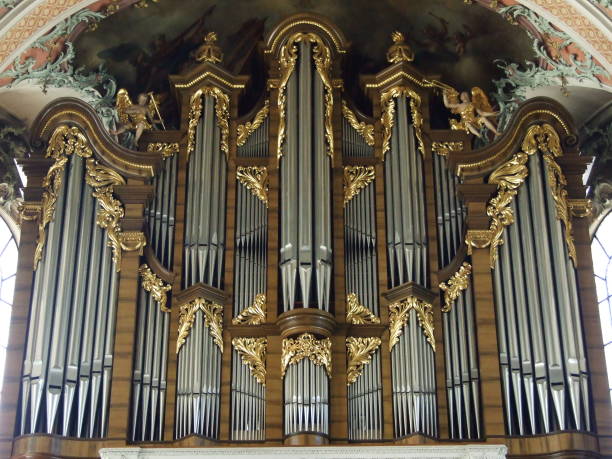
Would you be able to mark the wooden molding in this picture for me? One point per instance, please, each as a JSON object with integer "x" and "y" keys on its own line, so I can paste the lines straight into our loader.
{"x": 306, "y": 320}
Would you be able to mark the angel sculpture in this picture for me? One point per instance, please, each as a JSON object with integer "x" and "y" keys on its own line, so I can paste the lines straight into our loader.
{"x": 474, "y": 112}
{"x": 136, "y": 117}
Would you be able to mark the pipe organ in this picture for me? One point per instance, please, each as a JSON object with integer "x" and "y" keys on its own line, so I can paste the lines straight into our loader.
{"x": 305, "y": 273}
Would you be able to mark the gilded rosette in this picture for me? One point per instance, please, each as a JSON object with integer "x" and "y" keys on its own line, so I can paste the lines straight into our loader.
{"x": 359, "y": 352}
{"x": 356, "y": 313}
{"x": 398, "y": 318}
{"x": 318, "y": 351}
{"x": 213, "y": 319}
{"x": 252, "y": 351}
{"x": 155, "y": 286}
{"x": 254, "y": 314}
{"x": 355, "y": 179}
{"x": 455, "y": 285}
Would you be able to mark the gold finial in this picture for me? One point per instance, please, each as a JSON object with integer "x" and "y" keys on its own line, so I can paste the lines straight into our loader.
{"x": 399, "y": 50}
{"x": 209, "y": 51}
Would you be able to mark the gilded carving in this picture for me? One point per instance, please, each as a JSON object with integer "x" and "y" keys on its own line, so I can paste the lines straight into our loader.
{"x": 455, "y": 285}
{"x": 155, "y": 286}
{"x": 245, "y": 130}
{"x": 364, "y": 130}
{"x": 254, "y": 314}
{"x": 356, "y": 313}
{"x": 359, "y": 353}
{"x": 306, "y": 346}
{"x": 398, "y": 318}
{"x": 221, "y": 114}
{"x": 167, "y": 150}
{"x": 213, "y": 319}
{"x": 581, "y": 207}
{"x": 399, "y": 51}
{"x": 252, "y": 351}
{"x": 355, "y": 179}
{"x": 209, "y": 51}
{"x": 388, "y": 112}
{"x": 255, "y": 179}
{"x": 444, "y": 148}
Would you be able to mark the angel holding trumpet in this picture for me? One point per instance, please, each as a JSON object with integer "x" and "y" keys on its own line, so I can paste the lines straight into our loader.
{"x": 137, "y": 117}
{"x": 475, "y": 111}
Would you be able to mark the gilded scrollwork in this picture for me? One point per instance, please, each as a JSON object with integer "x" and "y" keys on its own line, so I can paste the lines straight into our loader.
{"x": 581, "y": 207}
{"x": 444, "y": 148}
{"x": 255, "y": 179}
{"x": 213, "y": 319}
{"x": 254, "y": 314}
{"x": 221, "y": 114}
{"x": 167, "y": 150}
{"x": 364, "y": 130}
{"x": 322, "y": 59}
{"x": 155, "y": 286}
{"x": 252, "y": 351}
{"x": 388, "y": 115}
{"x": 359, "y": 353}
{"x": 398, "y": 318}
{"x": 356, "y": 313}
{"x": 318, "y": 351}
{"x": 355, "y": 179}
{"x": 245, "y": 130}
{"x": 455, "y": 285}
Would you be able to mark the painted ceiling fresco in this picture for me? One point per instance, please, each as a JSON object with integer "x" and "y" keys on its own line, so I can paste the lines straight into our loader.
{"x": 456, "y": 41}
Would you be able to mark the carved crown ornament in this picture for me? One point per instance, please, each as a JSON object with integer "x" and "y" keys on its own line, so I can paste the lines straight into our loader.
{"x": 318, "y": 351}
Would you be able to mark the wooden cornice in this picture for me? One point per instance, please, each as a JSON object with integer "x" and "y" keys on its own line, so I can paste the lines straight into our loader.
{"x": 409, "y": 289}
{"x": 200, "y": 290}
{"x": 400, "y": 74}
{"x": 447, "y": 272}
{"x": 74, "y": 112}
{"x": 306, "y": 320}
{"x": 483, "y": 161}
{"x": 156, "y": 266}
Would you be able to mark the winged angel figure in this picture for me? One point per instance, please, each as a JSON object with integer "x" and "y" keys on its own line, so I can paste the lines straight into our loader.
{"x": 475, "y": 111}
{"x": 136, "y": 117}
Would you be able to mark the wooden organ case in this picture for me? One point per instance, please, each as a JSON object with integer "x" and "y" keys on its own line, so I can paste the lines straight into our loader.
{"x": 305, "y": 274}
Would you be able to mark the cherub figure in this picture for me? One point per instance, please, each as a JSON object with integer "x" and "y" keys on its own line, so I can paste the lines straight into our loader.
{"x": 136, "y": 117}
{"x": 474, "y": 112}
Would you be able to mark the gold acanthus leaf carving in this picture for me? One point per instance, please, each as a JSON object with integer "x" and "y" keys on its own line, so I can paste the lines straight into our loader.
{"x": 254, "y": 314}
{"x": 356, "y": 313}
{"x": 322, "y": 59}
{"x": 359, "y": 353}
{"x": 355, "y": 179}
{"x": 364, "y": 130}
{"x": 306, "y": 346}
{"x": 221, "y": 114}
{"x": 64, "y": 142}
{"x": 213, "y": 319}
{"x": 252, "y": 351}
{"x": 255, "y": 179}
{"x": 455, "y": 285}
{"x": 245, "y": 130}
{"x": 167, "y": 150}
{"x": 444, "y": 148}
{"x": 155, "y": 286}
{"x": 398, "y": 318}
{"x": 388, "y": 111}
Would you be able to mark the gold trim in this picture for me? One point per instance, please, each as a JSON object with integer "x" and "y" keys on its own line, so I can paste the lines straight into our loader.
{"x": 221, "y": 113}
{"x": 212, "y": 75}
{"x": 423, "y": 83}
{"x": 167, "y": 150}
{"x": 398, "y": 318}
{"x": 306, "y": 346}
{"x": 155, "y": 286}
{"x": 388, "y": 110}
{"x": 444, "y": 148}
{"x": 355, "y": 179}
{"x": 580, "y": 207}
{"x": 356, "y": 313}
{"x": 245, "y": 130}
{"x": 306, "y": 22}
{"x": 254, "y": 314}
{"x": 252, "y": 352}
{"x": 364, "y": 130}
{"x": 255, "y": 179}
{"x": 453, "y": 287}
{"x": 359, "y": 352}
{"x": 213, "y": 319}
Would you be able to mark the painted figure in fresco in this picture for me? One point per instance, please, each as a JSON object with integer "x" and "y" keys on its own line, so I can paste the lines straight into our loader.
{"x": 136, "y": 117}
{"x": 475, "y": 112}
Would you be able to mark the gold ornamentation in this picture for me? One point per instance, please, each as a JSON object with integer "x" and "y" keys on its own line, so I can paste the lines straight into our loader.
{"x": 213, "y": 319}
{"x": 444, "y": 148}
{"x": 356, "y": 313}
{"x": 255, "y": 179}
{"x": 364, "y": 130}
{"x": 474, "y": 111}
{"x": 359, "y": 352}
{"x": 64, "y": 142}
{"x": 252, "y": 351}
{"x": 254, "y": 314}
{"x": 155, "y": 286}
{"x": 322, "y": 59}
{"x": 212, "y": 75}
{"x": 330, "y": 33}
{"x": 399, "y": 50}
{"x": 221, "y": 113}
{"x": 455, "y": 285}
{"x": 245, "y": 130}
{"x": 398, "y": 318}
{"x": 581, "y": 207}
{"x": 167, "y": 150}
{"x": 355, "y": 179}
{"x": 28, "y": 211}
{"x": 209, "y": 51}
{"x": 387, "y": 118}
{"x": 306, "y": 346}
